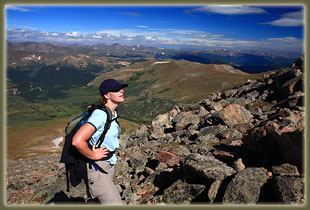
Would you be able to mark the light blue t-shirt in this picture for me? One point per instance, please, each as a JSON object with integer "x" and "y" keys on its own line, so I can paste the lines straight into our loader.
{"x": 111, "y": 140}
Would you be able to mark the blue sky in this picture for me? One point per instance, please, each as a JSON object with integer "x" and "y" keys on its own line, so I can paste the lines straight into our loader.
{"x": 269, "y": 28}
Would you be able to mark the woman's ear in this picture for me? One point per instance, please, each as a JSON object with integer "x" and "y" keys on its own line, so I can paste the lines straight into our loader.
{"x": 107, "y": 96}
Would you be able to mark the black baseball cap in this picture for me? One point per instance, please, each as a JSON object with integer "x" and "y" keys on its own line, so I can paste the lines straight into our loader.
{"x": 110, "y": 85}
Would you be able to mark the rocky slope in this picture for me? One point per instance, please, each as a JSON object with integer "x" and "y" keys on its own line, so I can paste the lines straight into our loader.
{"x": 244, "y": 145}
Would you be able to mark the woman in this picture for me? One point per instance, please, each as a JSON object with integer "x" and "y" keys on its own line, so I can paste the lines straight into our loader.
{"x": 101, "y": 184}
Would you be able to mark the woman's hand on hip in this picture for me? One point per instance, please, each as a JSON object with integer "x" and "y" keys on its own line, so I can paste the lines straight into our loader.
{"x": 100, "y": 153}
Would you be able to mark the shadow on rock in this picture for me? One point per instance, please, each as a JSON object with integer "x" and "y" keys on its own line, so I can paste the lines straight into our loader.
{"x": 62, "y": 198}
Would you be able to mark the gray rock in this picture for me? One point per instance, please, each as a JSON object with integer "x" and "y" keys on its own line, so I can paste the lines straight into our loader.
{"x": 161, "y": 120}
{"x": 238, "y": 165}
{"x": 180, "y": 150}
{"x": 213, "y": 190}
{"x": 290, "y": 190}
{"x": 285, "y": 169}
{"x": 209, "y": 139}
{"x": 185, "y": 119}
{"x": 235, "y": 114}
{"x": 138, "y": 162}
{"x": 230, "y": 133}
{"x": 207, "y": 166}
{"x": 158, "y": 134}
{"x": 216, "y": 106}
{"x": 141, "y": 133}
{"x": 241, "y": 101}
{"x": 229, "y": 93}
{"x": 212, "y": 130}
{"x": 291, "y": 85}
{"x": 245, "y": 187}
{"x": 124, "y": 140}
{"x": 182, "y": 193}
{"x": 203, "y": 112}
{"x": 191, "y": 107}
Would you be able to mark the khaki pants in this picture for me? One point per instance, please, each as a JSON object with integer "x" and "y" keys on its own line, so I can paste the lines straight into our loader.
{"x": 101, "y": 185}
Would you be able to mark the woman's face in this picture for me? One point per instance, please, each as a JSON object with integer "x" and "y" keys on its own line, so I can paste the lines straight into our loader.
{"x": 116, "y": 97}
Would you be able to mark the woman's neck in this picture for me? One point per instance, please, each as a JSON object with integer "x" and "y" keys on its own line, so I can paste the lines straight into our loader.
{"x": 112, "y": 107}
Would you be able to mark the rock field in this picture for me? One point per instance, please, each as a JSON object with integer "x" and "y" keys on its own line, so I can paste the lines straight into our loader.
{"x": 244, "y": 145}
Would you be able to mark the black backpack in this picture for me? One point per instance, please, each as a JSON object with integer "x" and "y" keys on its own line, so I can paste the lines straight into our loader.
{"x": 75, "y": 162}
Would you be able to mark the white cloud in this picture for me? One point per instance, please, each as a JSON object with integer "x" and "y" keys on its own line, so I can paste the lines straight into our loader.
{"x": 142, "y": 26}
{"x": 288, "y": 44}
{"x": 74, "y": 34}
{"x": 17, "y": 8}
{"x": 169, "y": 37}
{"x": 230, "y": 9}
{"x": 13, "y": 30}
{"x": 111, "y": 33}
{"x": 283, "y": 39}
{"x": 290, "y": 19}
{"x": 97, "y": 37}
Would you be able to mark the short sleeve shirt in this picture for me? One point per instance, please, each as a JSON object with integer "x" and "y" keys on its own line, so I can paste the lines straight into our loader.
{"x": 111, "y": 140}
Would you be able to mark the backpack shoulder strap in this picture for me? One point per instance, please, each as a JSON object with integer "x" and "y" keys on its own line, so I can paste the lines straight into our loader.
{"x": 107, "y": 124}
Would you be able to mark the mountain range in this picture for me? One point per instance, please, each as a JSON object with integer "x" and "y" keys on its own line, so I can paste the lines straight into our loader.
{"x": 243, "y": 59}
{"x": 48, "y": 65}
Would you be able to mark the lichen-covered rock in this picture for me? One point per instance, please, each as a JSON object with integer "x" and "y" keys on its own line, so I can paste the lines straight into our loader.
{"x": 207, "y": 166}
{"x": 181, "y": 193}
{"x": 290, "y": 190}
{"x": 285, "y": 169}
{"x": 245, "y": 187}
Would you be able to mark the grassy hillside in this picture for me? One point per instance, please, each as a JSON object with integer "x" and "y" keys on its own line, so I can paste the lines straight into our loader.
{"x": 179, "y": 81}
